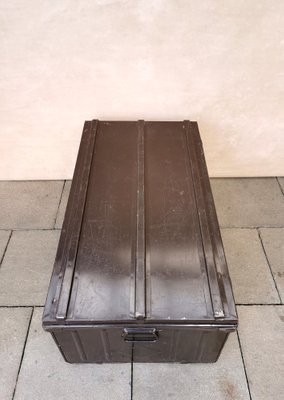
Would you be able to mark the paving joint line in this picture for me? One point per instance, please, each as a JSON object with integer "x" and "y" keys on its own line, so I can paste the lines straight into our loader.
{"x": 6, "y": 247}
{"x": 282, "y": 190}
{"x": 258, "y": 304}
{"x": 238, "y": 227}
{"x": 273, "y": 277}
{"x": 33, "y": 180}
{"x": 22, "y": 306}
{"x": 132, "y": 367}
{"x": 31, "y": 229}
{"x": 253, "y": 227}
{"x": 23, "y": 353}
{"x": 59, "y": 204}
{"x": 244, "y": 365}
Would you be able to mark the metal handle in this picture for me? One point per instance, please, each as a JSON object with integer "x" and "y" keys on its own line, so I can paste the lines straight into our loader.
{"x": 140, "y": 334}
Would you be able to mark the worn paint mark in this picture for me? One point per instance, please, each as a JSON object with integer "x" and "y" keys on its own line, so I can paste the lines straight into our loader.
{"x": 228, "y": 388}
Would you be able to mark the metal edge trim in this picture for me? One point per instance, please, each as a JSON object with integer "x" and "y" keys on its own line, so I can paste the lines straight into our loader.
{"x": 200, "y": 175}
{"x": 226, "y": 291}
{"x": 140, "y": 298}
{"x": 61, "y": 282}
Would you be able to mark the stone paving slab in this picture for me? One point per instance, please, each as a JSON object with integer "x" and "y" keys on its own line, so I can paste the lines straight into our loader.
{"x": 4, "y": 237}
{"x": 14, "y": 326}
{"x": 250, "y": 202}
{"x": 46, "y": 376}
{"x": 29, "y": 205}
{"x": 223, "y": 380}
{"x": 63, "y": 203}
{"x": 281, "y": 183}
{"x": 273, "y": 241}
{"x": 25, "y": 274}
{"x": 249, "y": 271}
{"x": 262, "y": 338}
{"x": 27, "y": 266}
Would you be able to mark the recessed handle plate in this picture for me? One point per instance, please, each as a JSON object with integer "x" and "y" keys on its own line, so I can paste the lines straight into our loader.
{"x": 140, "y": 335}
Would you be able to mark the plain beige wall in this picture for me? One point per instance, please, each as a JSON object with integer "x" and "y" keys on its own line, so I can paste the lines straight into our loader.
{"x": 220, "y": 62}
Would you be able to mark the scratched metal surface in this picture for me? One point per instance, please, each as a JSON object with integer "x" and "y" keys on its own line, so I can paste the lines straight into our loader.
{"x": 176, "y": 286}
{"x": 106, "y": 254}
{"x": 140, "y": 272}
{"x": 148, "y": 246}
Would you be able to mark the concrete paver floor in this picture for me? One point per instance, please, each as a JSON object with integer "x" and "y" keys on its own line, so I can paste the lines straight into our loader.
{"x": 251, "y": 213}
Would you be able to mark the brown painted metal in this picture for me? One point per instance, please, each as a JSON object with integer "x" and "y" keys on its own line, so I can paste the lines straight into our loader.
{"x": 140, "y": 273}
